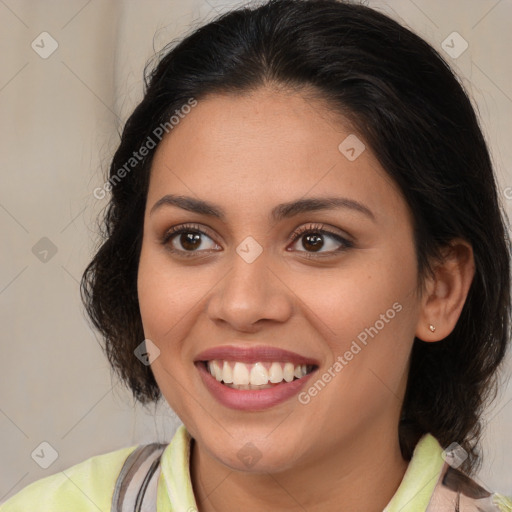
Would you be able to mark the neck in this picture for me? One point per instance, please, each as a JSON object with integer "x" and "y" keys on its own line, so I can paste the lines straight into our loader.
{"x": 362, "y": 474}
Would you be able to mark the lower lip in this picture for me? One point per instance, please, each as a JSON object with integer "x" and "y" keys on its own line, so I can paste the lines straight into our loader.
{"x": 251, "y": 399}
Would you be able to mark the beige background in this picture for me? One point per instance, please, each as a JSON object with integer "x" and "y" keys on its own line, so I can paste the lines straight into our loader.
{"x": 58, "y": 119}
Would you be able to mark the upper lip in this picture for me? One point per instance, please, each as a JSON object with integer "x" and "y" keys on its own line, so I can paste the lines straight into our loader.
{"x": 253, "y": 354}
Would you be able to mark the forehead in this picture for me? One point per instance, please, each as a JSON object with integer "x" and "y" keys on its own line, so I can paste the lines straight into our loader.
{"x": 269, "y": 147}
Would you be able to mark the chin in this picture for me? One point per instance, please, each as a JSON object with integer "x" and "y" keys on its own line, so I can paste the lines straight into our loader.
{"x": 255, "y": 454}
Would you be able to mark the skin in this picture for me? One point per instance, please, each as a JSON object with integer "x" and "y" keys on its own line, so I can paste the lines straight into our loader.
{"x": 248, "y": 153}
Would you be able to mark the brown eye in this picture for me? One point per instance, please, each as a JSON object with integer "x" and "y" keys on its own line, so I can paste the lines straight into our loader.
{"x": 313, "y": 239}
{"x": 188, "y": 239}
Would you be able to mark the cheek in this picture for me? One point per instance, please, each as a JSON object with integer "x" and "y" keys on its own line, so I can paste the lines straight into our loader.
{"x": 164, "y": 300}
{"x": 368, "y": 319}
{"x": 371, "y": 322}
{"x": 351, "y": 301}
{"x": 165, "y": 294}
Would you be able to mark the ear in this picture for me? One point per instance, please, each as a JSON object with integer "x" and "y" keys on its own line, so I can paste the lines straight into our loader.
{"x": 445, "y": 291}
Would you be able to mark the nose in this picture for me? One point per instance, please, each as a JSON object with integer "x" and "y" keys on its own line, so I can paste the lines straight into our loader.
{"x": 250, "y": 295}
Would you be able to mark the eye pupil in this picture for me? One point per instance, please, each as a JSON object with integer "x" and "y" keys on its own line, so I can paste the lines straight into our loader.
{"x": 314, "y": 240}
{"x": 190, "y": 240}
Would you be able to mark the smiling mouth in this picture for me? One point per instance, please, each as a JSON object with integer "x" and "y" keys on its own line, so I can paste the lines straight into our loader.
{"x": 259, "y": 375}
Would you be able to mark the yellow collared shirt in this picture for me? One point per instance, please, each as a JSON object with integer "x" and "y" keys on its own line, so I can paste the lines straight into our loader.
{"x": 428, "y": 484}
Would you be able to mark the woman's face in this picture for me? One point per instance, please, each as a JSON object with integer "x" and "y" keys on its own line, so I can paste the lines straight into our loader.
{"x": 244, "y": 282}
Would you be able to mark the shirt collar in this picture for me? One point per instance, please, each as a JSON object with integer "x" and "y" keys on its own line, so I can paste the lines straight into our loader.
{"x": 175, "y": 493}
{"x": 420, "y": 478}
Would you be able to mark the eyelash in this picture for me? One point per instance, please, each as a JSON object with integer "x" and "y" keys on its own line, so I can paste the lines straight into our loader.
{"x": 299, "y": 232}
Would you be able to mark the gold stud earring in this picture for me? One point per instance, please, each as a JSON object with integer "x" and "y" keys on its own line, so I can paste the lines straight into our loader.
{"x": 432, "y": 328}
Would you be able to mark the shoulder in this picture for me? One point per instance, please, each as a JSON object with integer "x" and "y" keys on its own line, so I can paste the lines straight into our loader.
{"x": 433, "y": 483}
{"x": 504, "y": 503}
{"x": 457, "y": 491}
{"x": 84, "y": 487}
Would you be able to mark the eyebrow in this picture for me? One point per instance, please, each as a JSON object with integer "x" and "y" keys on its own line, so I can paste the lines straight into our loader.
{"x": 279, "y": 212}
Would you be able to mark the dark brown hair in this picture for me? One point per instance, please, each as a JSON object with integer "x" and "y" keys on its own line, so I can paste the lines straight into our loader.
{"x": 407, "y": 105}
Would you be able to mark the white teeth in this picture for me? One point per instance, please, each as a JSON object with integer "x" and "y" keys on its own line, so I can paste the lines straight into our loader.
{"x": 240, "y": 374}
{"x": 217, "y": 372}
{"x": 227, "y": 373}
{"x": 288, "y": 372}
{"x": 276, "y": 373}
{"x": 255, "y": 376}
{"x": 259, "y": 375}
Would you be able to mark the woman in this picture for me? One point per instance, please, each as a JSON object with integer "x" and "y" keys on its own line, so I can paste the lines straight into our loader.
{"x": 304, "y": 230}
